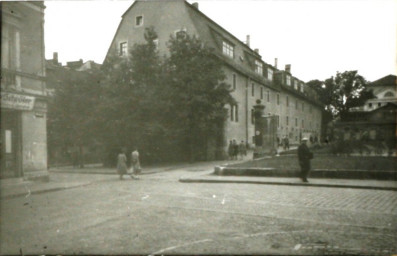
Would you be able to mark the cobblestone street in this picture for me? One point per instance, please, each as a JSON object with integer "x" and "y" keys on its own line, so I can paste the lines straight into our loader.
{"x": 159, "y": 215}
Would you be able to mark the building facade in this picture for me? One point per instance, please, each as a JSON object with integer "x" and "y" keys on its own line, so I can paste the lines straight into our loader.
{"x": 385, "y": 90}
{"x": 251, "y": 78}
{"x": 23, "y": 91}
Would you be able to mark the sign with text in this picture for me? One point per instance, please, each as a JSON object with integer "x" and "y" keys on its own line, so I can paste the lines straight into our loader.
{"x": 17, "y": 101}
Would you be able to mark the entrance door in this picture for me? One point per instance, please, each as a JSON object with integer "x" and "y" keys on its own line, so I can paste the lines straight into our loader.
{"x": 9, "y": 144}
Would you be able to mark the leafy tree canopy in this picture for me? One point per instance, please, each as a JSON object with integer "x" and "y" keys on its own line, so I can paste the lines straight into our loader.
{"x": 342, "y": 92}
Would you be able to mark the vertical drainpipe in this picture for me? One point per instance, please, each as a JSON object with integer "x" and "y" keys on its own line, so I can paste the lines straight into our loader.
{"x": 246, "y": 109}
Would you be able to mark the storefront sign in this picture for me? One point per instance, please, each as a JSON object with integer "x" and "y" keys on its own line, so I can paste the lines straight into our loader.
{"x": 17, "y": 101}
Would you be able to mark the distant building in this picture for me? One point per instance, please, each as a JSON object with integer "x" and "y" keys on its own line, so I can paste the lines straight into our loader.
{"x": 251, "y": 78}
{"x": 23, "y": 91}
{"x": 374, "y": 123}
{"x": 385, "y": 91}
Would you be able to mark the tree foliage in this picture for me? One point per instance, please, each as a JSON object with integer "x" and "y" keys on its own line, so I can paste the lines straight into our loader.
{"x": 342, "y": 92}
{"x": 72, "y": 110}
{"x": 195, "y": 78}
{"x": 168, "y": 107}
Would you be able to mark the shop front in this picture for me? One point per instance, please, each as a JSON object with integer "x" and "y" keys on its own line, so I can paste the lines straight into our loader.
{"x": 23, "y": 137}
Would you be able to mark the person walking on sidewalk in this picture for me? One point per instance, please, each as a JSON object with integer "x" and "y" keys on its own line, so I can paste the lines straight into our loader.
{"x": 304, "y": 157}
{"x": 136, "y": 165}
{"x": 242, "y": 149}
{"x": 122, "y": 164}
{"x": 230, "y": 150}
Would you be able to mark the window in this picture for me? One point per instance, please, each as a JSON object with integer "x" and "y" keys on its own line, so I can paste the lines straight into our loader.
{"x": 268, "y": 96}
{"x": 389, "y": 94}
{"x": 253, "y": 90}
{"x": 286, "y": 120}
{"x": 379, "y": 104}
{"x": 296, "y": 122}
{"x": 287, "y": 101}
{"x": 234, "y": 113}
{"x": 180, "y": 34}
{"x": 278, "y": 99}
{"x": 228, "y": 49}
{"x": 269, "y": 74}
{"x": 261, "y": 93}
{"x": 258, "y": 67}
{"x": 123, "y": 49}
{"x": 234, "y": 81}
{"x": 303, "y": 123}
{"x": 370, "y": 105}
{"x": 139, "y": 21}
{"x": 302, "y": 87}
{"x": 288, "y": 80}
{"x": 296, "y": 84}
{"x": 156, "y": 43}
{"x": 303, "y": 106}
{"x": 252, "y": 116}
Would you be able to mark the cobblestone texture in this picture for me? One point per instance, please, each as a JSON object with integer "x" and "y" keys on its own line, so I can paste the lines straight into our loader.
{"x": 157, "y": 214}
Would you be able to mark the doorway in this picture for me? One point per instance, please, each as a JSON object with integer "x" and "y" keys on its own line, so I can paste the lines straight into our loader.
{"x": 10, "y": 145}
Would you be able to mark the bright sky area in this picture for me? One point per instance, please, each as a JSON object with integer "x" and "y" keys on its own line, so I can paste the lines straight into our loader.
{"x": 318, "y": 38}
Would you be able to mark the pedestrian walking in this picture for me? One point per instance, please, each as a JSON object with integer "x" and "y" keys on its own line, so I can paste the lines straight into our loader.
{"x": 235, "y": 149}
{"x": 304, "y": 157}
{"x": 135, "y": 164}
{"x": 230, "y": 150}
{"x": 286, "y": 142}
{"x": 122, "y": 164}
{"x": 242, "y": 149}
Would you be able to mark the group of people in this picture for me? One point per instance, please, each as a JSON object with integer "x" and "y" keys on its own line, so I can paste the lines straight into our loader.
{"x": 235, "y": 150}
{"x": 122, "y": 168}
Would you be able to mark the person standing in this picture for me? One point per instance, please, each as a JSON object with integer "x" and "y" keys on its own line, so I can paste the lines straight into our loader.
{"x": 304, "y": 157}
{"x": 122, "y": 164}
{"x": 235, "y": 149}
{"x": 230, "y": 150}
{"x": 242, "y": 149}
{"x": 136, "y": 165}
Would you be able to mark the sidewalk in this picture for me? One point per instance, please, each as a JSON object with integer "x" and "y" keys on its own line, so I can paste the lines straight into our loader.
{"x": 209, "y": 177}
{"x": 68, "y": 177}
{"x": 58, "y": 181}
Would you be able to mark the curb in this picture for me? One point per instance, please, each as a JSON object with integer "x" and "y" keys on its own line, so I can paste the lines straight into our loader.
{"x": 42, "y": 191}
{"x": 192, "y": 180}
{"x": 316, "y": 173}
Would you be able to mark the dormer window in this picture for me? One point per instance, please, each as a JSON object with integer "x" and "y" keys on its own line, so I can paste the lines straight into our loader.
{"x": 258, "y": 67}
{"x": 302, "y": 87}
{"x": 269, "y": 74}
{"x": 138, "y": 21}
{"x": 228, "y": 49}
{"x": 296, "y": 84}
{"x": 288, "y": 80}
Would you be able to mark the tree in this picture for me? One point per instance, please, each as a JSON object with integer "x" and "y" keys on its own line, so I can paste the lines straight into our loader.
{"x": 72, "y": 111}
{"x": 195, "y": 80}
{"x": 342, "y": 92}
{"x": 132, "y": 104}
{"x": 171, "y": 108}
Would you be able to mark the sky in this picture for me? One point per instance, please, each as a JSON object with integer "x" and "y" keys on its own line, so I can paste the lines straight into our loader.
{"x": 317, "y": 38}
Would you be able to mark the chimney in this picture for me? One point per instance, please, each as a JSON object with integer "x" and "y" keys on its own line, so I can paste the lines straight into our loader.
{"x": 55, "y": 58}
{"x": 257, "y": 50}
{"x": 195, "y": 5}
{"x": 275, "y": 62}
{"x": 248, "y": 40}
{"x": 288, "y": 68}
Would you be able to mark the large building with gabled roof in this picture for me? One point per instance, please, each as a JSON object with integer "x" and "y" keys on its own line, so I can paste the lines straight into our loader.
{"x": 283, "y": 94}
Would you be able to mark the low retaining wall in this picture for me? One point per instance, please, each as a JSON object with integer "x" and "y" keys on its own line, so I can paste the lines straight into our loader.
{"x": 317, "y": 173}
